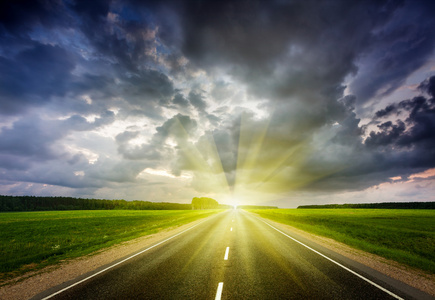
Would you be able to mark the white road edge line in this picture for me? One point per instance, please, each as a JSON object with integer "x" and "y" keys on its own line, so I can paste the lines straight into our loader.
{"x": 219, "y": 291}
{"x": 226, "y": 253}
{"x": 118, "y": 263}
{"x": 338, "y": 264}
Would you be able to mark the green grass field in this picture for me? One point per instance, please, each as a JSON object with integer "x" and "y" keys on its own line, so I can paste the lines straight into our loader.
{"x": 406, "y": 236}
{"x": 31, "y": 240}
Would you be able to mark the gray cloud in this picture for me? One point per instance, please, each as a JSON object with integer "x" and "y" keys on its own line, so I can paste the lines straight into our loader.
{"x": 79, "y": 123}
{"x": 221, "y": 91}
{"x": 33, "y": 76}
{"x": 136, "y": 152}
{"x": 398, "y": 148}
{"x": 399, "y": 47}
{"x": 197, "y": 100}
{"x": 30, "y": 137}
{"x": 255, "y": 39}
{"x": 178, "y": 126}
{"x": 180, "y": 100}
{"x": 116, "y": 171}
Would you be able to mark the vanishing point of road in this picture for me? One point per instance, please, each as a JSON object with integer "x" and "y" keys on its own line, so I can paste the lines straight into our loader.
{"x": 234, "y": 255}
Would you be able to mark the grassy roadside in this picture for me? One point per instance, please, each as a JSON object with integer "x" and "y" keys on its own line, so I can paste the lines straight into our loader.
{"x": 406, "y": 236}
{"x": 32, "y": 240}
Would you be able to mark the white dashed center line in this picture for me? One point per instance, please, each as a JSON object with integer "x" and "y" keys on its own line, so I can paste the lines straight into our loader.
{"x": 226, "y": 253}
{"x": 219, "y": 291}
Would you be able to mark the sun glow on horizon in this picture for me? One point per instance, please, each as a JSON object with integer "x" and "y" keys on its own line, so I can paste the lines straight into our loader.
{"x": 267, "y": 164}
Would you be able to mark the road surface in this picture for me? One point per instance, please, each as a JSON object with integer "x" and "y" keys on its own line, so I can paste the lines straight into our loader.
{"x": 234, "y": 255}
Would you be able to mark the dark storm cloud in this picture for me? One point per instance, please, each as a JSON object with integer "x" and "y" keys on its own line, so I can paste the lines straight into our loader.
{"x": 144, "y": 92}
{"x": 428, "y": 86}
{"x": 148, "y": 85}
{"x": 115, "y": 46}
{"x": 312, "y": 43}
{"x": 320, "y": 41}
{"x": 123, "y": 37}
{"x": 422, "y": 123}
{"x": 399, "y": 52}
{"x": 92, "y": 11}
{"x": 401, "y": 147}
{"x": 89, "y": 82}
{"x": 33, "y": 76}
{"x": 419, "y": 114}
{"x": 94, "y": 24}
{"x": 390, "y": 109}
{"x": 388, "y": 134}
{"x": 402, "y": 46}
{"x": 20, "y": 17}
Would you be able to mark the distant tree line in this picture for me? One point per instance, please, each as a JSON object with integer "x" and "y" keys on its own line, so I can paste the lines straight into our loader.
{"x": 204, "y": 203}
{"x": 256, "y": 207}
{"x": 33, "y": 203}
{"x": 384, "y": 205}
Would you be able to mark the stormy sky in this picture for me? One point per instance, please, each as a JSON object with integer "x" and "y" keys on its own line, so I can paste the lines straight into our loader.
{"x": 249, "y": 102}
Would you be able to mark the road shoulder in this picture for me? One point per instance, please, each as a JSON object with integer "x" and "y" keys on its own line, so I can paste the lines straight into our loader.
{"x": 31, "y": 284}
{"x": 411, "y": 276}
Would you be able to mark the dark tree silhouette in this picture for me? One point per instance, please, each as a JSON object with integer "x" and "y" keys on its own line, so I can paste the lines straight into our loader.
{"x": 32, "y": 203}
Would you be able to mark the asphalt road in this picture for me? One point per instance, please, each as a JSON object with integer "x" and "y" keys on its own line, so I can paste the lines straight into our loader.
{"x": 235, "y": 255}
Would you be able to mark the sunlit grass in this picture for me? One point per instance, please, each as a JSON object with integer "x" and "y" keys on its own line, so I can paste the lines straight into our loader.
{"x": 406, "y": 236}
{"x": 30, "y": 240}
